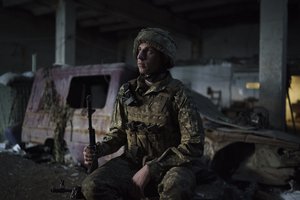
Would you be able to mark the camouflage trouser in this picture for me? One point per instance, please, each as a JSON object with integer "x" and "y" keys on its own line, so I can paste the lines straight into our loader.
{"x": 114, "y": 181}
{"x": 178, "y": 184}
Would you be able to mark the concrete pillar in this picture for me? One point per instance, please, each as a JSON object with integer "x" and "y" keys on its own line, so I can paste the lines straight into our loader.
{"x": 272, "y": 59}
{"x": 65, "y": 33}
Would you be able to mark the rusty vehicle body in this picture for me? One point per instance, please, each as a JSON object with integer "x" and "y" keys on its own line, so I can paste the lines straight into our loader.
{"x": 72, "y": 85}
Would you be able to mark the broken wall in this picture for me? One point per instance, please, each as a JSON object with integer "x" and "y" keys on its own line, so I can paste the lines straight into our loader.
{"x": 14, "y": 91}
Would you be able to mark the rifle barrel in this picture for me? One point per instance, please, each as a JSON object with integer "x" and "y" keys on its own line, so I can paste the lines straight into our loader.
{"x": 92, "y": 135}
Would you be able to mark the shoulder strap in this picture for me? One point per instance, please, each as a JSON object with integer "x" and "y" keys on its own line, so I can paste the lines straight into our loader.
{"x": 129, "y": 97}
{"x": 172, "y": 87}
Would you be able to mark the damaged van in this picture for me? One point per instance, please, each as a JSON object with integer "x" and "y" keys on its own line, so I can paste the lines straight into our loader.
{"x": 57, "y": 106}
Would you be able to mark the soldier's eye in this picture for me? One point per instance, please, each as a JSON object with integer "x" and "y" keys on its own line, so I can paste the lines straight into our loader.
{"x": 151, "y": 50}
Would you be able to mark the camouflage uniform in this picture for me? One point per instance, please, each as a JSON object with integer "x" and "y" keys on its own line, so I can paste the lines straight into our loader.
{"x": 159, "y": 126}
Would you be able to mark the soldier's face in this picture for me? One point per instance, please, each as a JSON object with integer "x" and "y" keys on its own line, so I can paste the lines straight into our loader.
{"x": 149, "y": 60}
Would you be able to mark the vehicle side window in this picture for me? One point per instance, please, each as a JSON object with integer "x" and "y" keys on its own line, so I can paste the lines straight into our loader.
{"x": 80, "y": 87}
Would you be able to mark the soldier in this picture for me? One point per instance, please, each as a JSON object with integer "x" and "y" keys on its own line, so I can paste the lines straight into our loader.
{"x": 157, "y": 121}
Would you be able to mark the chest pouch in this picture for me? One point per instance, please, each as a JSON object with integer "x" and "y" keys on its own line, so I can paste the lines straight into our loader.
{"x": 128, "y": 97}
{"x": 143, "y": 140}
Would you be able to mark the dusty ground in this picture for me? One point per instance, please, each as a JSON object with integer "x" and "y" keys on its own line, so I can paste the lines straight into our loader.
{"x": 31, "y": 179}
{"x": 22, "y": 178}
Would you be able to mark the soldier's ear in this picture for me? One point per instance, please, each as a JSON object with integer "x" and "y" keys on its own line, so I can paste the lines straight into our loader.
{"x": 167, "y": 61}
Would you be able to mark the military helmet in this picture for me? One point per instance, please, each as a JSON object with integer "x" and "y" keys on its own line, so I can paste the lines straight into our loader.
{"x": 159, "y": 39}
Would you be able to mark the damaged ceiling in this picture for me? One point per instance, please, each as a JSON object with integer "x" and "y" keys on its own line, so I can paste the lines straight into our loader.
{"x": 186, "y": 17}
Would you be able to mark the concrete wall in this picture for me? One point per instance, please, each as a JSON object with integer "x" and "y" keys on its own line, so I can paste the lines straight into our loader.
{"x": 199, "y": 78}
{"x": 239, "y": 91}
{"x": 236, "y": 41}
{"x": 92, "y": 49}
{"x": 242, "y": 41}
{"x": 22, "y": 35}
{"x": 220, "y": 77}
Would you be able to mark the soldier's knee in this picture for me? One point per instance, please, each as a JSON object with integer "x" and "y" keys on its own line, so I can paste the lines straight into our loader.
{"x": 95, "y": 189}
{"x": 179, "y": 174}
{"x": 88, "y": 188}
{"x": 178, "y": 183}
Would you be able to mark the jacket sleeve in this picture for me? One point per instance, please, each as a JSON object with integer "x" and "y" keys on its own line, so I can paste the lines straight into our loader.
{"x": 116, "y": 137}
{"x": 190, "y": 148}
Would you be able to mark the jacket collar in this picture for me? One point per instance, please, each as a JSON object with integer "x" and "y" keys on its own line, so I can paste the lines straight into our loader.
{"x": 155, "y": 87}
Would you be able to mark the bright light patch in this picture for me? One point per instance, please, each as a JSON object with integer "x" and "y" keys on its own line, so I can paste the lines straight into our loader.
{"x": 253, "y": 85}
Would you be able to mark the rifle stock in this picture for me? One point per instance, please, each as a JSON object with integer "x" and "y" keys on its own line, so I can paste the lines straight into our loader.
{"x": 75, "y": 192}
{"x": 92, "y": 135}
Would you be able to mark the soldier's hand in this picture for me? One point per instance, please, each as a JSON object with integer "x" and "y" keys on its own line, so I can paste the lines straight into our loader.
{"x": 88, "y": 155}
{"x": 141, "y": 179}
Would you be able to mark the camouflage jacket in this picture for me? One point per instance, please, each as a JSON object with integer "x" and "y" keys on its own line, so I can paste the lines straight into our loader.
{"x": 158, "y": 124}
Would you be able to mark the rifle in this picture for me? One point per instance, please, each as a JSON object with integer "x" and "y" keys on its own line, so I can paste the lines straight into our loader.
{"x": 92, "y": 135}
{"x": 75, "y": 191}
